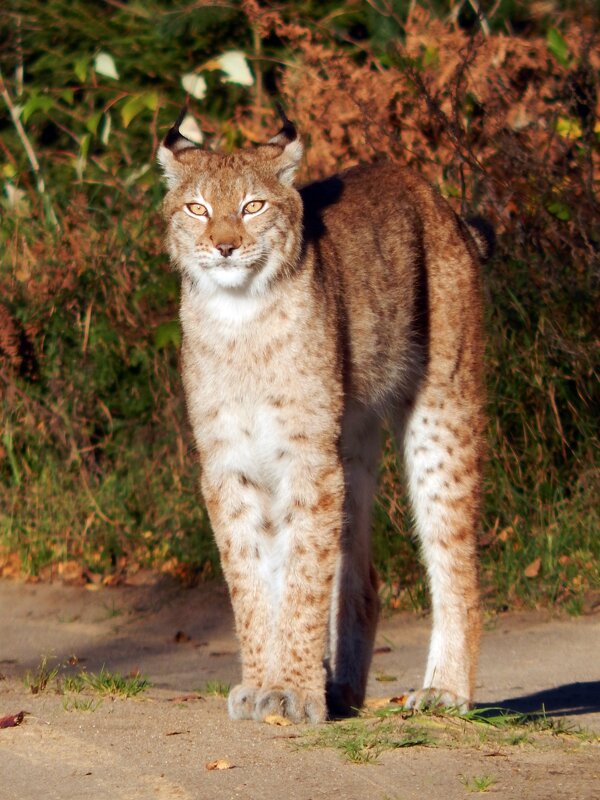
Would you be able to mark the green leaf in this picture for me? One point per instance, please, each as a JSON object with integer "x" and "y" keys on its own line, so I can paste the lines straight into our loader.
{"x": 84, "y": 145}
{"x": 235, "y": 66}
{"x": 559, "y": 210}
{"x": 104, "y": 64}
{"x": 93, "y": 122}
{"x": 431, "y": 57}
{"x": 151, "y": 100}
{"x": 136, "y": 104}
{"x": 169, "y": 333}
{"x": 558, "y": 46}
{"x": 39, "y": 102}
{"x": 106, "y": 128}
{"x": 80, "y": 162}
{"x": 80, "y": 68}
{"x": 449, "y": 189}
{"x": 568, "y": 128}
{"x": 195, "y": 85}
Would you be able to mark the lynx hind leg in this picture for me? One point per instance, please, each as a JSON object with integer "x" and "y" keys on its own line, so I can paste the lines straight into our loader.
{"x": 355, "y": 602}
{"x": 443, "y": 454}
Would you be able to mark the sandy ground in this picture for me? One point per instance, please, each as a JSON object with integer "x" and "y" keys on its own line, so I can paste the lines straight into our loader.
{"x": 158, "y": 746}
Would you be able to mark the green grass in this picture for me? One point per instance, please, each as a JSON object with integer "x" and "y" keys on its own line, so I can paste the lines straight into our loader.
{"x": 216, "y": 688}
{"x": 477, "y": 783}
{"x": 365, "y": 739}
{"x": 112, "y": 611}
{"x": 72, "y": 683}
{"x": 361, "y": 742}
{"x": 87, "y": 704}
{"x": 40, "y": 679}
{"x": 487, "y": 719}
{"x": 113, "y": 684}
{"x": 58, "y": 677}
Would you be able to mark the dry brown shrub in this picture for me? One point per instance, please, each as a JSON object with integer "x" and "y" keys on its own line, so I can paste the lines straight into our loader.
{"x": 496, "y": 121}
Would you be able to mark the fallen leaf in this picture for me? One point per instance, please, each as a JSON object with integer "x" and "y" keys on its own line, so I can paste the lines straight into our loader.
{"x": 384, "y": 649}
{"x": 220, "y": 763}
{"x": 175, "y": 733}
{"x": 533, "y": 569}
{"x": 12, "y": 720}
{"x": 276, "y": 719}
{"x": 505, "y": 533}
{"x": 400, "y": 700}
{"x": 71, "y": 572}
{"x": 184, "y": 698}
{"x": 383, "y": 678}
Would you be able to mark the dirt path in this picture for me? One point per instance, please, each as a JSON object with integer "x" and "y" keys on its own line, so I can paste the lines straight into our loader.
{"x": 158, "y": 745}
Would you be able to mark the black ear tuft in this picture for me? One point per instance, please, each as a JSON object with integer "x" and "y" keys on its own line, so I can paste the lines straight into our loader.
{"x": 287, "y": 160}
{"x": 288, "y": 131}
{"x": 174, "y": 140}
{"x": 174, "y": 143}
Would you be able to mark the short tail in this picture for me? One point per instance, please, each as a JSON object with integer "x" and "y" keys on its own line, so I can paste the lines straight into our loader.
{"x": 483, "y": 235}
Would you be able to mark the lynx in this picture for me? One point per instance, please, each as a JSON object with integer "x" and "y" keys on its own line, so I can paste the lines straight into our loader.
{"x": 309, "y": 317}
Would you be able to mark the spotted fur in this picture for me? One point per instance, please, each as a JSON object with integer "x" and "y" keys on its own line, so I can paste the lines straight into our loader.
{"x": 305, "y": 325}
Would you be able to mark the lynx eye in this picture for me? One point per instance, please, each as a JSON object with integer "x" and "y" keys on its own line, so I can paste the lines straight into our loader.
{"x": 253, "y": 206}
{"x": 197, "y": 209}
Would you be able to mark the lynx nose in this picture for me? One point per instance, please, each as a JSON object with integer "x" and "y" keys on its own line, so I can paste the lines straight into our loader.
{"x": 225, "y": 248}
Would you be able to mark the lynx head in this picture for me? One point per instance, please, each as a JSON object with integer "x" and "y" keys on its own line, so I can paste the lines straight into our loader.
{"x": 234, "y": 221}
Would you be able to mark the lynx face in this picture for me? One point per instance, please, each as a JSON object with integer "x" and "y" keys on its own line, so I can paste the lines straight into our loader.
{"x": 233, "y": 220}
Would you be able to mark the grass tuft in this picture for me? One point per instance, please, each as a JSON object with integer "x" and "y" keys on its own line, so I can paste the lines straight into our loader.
{"x": 216, "y": 689}
{"x": 363, "y": 740}
{"x": 38, "y": 681}
{"x": 477, "y": 783}
{"x": 87, "y": 704}
{"x": 114, "y": 684}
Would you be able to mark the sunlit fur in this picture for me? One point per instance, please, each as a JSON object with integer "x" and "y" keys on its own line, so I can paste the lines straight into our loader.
{"x": 354, "y": 300}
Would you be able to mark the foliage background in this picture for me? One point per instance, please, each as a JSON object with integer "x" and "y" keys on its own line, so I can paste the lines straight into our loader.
{"x": 496, "y": 102}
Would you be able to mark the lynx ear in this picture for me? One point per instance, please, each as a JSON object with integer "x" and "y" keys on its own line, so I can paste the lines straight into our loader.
{"x": 288, "y": 160}
{"x": 173, "y": 143}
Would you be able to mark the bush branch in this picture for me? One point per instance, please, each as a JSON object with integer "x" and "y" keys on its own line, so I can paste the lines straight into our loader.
{"x": 35, "y": 164}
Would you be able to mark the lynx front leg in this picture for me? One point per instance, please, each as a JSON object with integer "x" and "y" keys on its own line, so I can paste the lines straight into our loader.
{"x": 238, "y": 510}
{"x": 303, "y": 560}
{"x": 443, "y": 449}
{"x": 355, "y": 606}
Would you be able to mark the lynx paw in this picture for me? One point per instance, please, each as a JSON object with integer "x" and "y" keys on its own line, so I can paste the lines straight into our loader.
{"x": 293, "y": 704}
{"x": 241, "y": 701}
{"x": 436, "y": 698}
